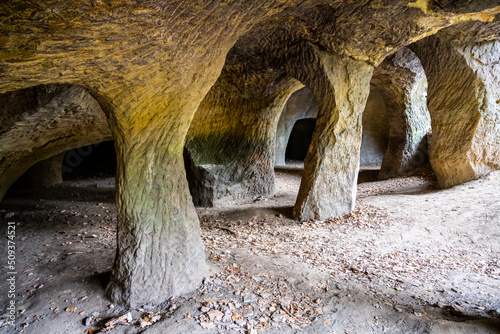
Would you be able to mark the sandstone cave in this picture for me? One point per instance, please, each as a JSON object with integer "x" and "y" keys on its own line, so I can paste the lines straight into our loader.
{"x": 280, "y": 166}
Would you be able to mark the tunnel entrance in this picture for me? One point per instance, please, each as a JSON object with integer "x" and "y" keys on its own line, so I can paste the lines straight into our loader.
{"x": 90, "y": 161}
{"x": 300, "y": 139}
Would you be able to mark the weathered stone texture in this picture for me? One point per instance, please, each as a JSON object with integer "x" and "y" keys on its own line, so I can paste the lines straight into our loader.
{"x": 164, "y": 255}
{"x": 44, "y": 121}
{"x": 335, "y": 147}
{"x": 328, "y": 186}
{"x": 153, "y": 99}
{"x": 484, "y": 59}
{"x": 463, "y": 103}
{"x": 402, "y": 82}
{"x": 302, "y": 104}
{"x": 473, "y": 32}
{"x": 151, "y": 63}
{"x": 231, "y": 139}
{"x": 375, "y": 129}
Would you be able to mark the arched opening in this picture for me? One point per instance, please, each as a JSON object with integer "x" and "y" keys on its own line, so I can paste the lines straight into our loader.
{"x": 73, "y": 223}
{"x": 300, "y": 139}
{"x": 301, "y": 105}
{"x": 39, "y": 124}
{"x": 297, "y": 121}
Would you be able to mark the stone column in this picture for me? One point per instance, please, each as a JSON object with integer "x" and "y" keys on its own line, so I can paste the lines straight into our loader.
{"x": 402, "y": 82}
{"x": 463, "y": 104}
{"x": 159, "y": 253}
{"x": 341, "y": 86}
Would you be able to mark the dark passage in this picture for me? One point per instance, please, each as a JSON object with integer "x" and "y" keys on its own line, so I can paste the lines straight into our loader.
{"x": 88, "y": 161}
{"x": 300, "y": 139}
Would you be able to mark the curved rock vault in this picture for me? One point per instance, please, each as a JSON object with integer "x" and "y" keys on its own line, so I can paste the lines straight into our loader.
{"x": 218, "y": 73}
{"x": 41, "y": 123}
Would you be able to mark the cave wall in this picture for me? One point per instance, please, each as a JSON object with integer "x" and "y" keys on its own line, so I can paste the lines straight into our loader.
{"x": 463, "y": 103}
{"x": 149, "y": 66}
{"x": 45, "y": 173}
{"x": 41, "y": 122}
{"x": 375, "y": 129}
{"x": 301, "y": 104}
{"x": 403, "y": 86}
{"x": 231, "y": 139}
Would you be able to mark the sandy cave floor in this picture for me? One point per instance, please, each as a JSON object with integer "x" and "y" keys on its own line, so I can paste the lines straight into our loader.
{"x": 410, "y": 259}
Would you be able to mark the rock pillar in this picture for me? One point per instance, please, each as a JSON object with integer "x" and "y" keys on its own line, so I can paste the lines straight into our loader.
{"x": 341, "y": 86}
{"x": 463, "y": 103}
{"x": 402, "y": 82}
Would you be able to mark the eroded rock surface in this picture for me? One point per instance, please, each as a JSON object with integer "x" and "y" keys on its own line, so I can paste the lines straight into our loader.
{"x": 231, "y": 139}
{"x": 328, "y": 187}
{"x": 375, "y": 129}
{"x": 151, "y": 64}
{"x": 402, "y": 82}
{"x": 464, "y": 105}
{"x": 38, "y": 123}
{"x": 302, "y": 104}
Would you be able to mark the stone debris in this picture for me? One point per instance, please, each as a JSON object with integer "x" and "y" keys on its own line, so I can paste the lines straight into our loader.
{"x": 121, "y": 320}
{"x": 148, "y": 318}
